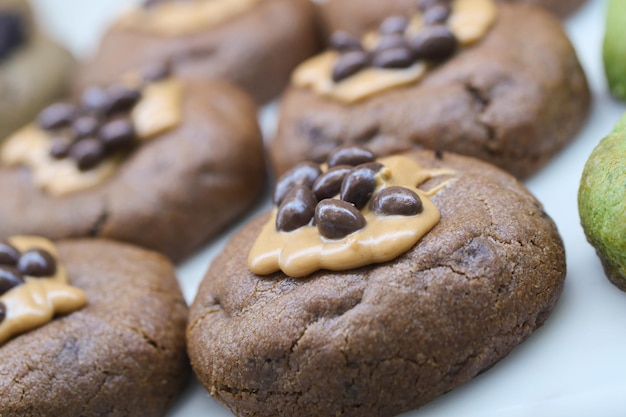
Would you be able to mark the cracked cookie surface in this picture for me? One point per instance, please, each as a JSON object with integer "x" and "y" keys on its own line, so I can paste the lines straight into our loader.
{"x": 121, "y": 355}
{"x": 382, "y": 339}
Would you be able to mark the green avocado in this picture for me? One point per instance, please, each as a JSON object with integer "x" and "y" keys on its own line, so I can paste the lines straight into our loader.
{"x": 602, "y": 203}
{"x": 614, "y": 49}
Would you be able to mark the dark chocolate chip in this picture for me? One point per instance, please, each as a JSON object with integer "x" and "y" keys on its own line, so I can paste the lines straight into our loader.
{"x": 393, "y": 58}
{"x": 434, "y": 43}
{"x": 57, "y": 115}
{"x": 349, "y": 64}
{"x": 435, "y": 15}
{"x": 304, "y": 173}
{"x": 349, "y": 155}
{"x": 85, "y": 126}
{"x": 329, "y": 184}
{"x": 296, "y": 210}
{"x": 336, "y": 219}
{"x": 391, "y": 41}
{"x": 393, "y": 24}
{"x": 117, "y": 134}
{"x": 10, "y": 277}
{"x": 359, "y": 185}
{"x": 3, "y": 311}
{"x": 156, "y": 71}
{"x": 60, "y": 147}
{"x": 37, "y": 263}
{"x": 87, "y": 153}
{"x": 9, "y": 255}
{"x": 95, "y": 100}
{"x": 396, "y": 200}
{"x": 343, "y": 41}
{"x": 12, "y": 32}
{"x": 122, "y": 98}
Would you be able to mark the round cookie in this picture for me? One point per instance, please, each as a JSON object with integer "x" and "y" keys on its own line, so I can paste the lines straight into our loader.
{"x": 34, "y": 70}
{"x": 171, "y": 194}
{"x": 382, "y": 339}
{"x": 514, "y": 99}
{"x": 243, "y": 48}
{"x": 122, "y": 354}
{"x": 601, "y": 203}
{"x": 357, "y": 17}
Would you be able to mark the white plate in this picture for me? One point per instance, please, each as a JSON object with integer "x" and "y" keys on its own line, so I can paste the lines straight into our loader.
{"x": 575, "y": 365}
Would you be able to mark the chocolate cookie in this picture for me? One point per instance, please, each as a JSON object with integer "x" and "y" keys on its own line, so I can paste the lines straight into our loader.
{"x": 254, "y": 44}
{"x": 34, "y": 70}
{"x": 380, "y": 339}
{"x": 514, "y": 99}
{"x": 360, "y": 16}
{"x": 122, "y": 354}
{"x": 165, "y": 166}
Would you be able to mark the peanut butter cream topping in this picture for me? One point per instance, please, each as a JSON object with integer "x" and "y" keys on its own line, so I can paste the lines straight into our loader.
{"x": 35, "y": 303}
{"x": 469, "y": 22}
{"x": 304, "y": 250}
{"x": 183, "y": 18}
{"x": 159, "y": 110}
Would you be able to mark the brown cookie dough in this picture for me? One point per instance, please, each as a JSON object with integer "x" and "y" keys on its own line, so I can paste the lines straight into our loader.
{"x": 514, "y": 99}
{"x": 357, "y": 17}
{"x": 171, "y": 194}
{"x": 34, "y": 70}
{"x": 256, "y": 50}
{"x": 121, "y": 355}
{"x": 382, "y": 339}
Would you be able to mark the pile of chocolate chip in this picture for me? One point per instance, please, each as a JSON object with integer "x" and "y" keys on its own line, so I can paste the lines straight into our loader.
{"x": 435, "y": 42}
{"x": 100, "y": 125}
{"x": 12, "y": 32}
{"x": 304, "y": 195}
{"x": 14, "y": 266}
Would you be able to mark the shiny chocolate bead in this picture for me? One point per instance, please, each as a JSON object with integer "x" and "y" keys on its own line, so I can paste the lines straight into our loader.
{"x": 436, "y": 15}
{"x": 87, "y": 153}
{"x": 336, "y": 219}
{"x": 37, "y": 263}
{"x": 349, "y": 155}
{"x": 12, "y": 32}
{"x": 95, "y": 100}
{"x": 329, "y": 184}
{"x": 296, "y": 210}
{"x": 118, "y": 133}
{"x": 122, "y": 98}
{"x": 391, "y": 41}
{"x": 3, "y": 311}
{"x": 57, "y": 115}
{"x": 393, "y": 58}
{"x": 396, "y": 200}
{"x": 156, "y": 71}
{"x": 393, "y": 24}
{"x": 10, "y": 278}
{"x": 60, "y": 147}
{"x": 85, "y": 126}
{"x": 349, "y": 64}
{"x": 9, "y": 255}
{"x": 434, "y": 43}
{"x": 343, "y": 41}
{"x": 304, "y": 173}
{"x": 359, "y": 185}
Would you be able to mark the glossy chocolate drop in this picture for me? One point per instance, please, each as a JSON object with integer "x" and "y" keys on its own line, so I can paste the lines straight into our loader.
{"x": 359, "y": 185}
{"x": 436, "y": 15}
{"x": 349, "y": 155}
{"x": 434, "y": 43}
{"x": 87, "y": 153}
{"x": 37, "y": 263}
{"x": 349, "y": 64}
{"x": 9, "y": 255}
{"x": 343, "y": 41}
{"x": 393, "y": 24}
{"x": 95, "y": 100}
{"x": 10, "y": 278}
{"x": 60, "y": 147}
{"x": 296, "y": 210}
{"x": 122, "y": 98}
{"x": 85, "y": 126}
{"x": 304, "y": 173}
{"x": 329, "y": 184}
{"x": 391, "y": 41}
{"x": 393, "y": 58}
{"x": 396, "y": 200}
{"x": 117, "y": 134}
{"x": 57, "y": 115}
{"x": 336, "y": 219}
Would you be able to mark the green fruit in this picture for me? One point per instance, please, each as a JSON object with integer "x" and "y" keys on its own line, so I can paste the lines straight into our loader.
{"x": 614, "y": 50}
{"x": 602, "y": 202}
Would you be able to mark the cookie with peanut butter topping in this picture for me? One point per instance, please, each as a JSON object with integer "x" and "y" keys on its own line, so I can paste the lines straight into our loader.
{"x": 380, "y": 337}
{"x": 152, "y": 159}
{"x": 500, "y": 82}
{"x": 121, "y": 354}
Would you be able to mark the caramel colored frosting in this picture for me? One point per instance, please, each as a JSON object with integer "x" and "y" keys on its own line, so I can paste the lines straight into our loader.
{"x": 183, "y": 18}
{"x": 159, "y": 110}
{"x": 38, "y": 300}
{"x": 304, "y": 250}
{"x": 470, "y": 21}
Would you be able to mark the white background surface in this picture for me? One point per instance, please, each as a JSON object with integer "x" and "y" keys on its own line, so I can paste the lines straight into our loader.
{"x": 576, "y": 364}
